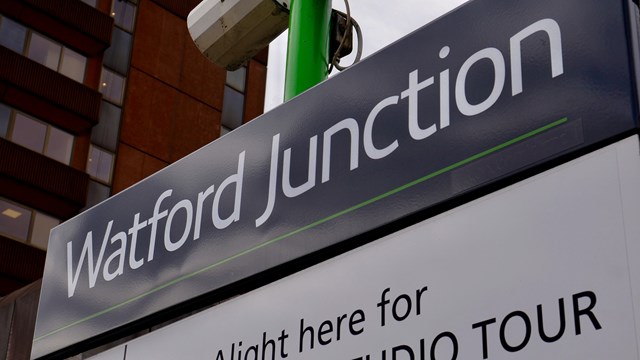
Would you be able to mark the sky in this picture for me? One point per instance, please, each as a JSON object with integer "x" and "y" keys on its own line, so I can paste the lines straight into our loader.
{"x": 382, "y": 22}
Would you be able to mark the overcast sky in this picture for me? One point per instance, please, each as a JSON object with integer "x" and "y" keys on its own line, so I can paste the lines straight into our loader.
{"x": 382, "y": 23}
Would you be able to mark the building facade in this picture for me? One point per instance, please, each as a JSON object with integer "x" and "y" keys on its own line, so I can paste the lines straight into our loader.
{"x": 96, "y": 95}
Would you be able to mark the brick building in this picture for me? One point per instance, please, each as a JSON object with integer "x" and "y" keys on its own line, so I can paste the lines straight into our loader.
{"x": 96, "y": 95}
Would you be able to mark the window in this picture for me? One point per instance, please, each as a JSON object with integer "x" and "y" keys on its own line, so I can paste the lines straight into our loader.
{"x": 5, "y": 117}
{"x": 56, "y": 57}
{"x": 35, "y": 135}
{"x": 42, "y": 49}
{"x": 233, "y": 102}
{"x": 96, "y": 193}
{"x": 73, "y": 65}
{"x": 14, "y": 220}
{"x": 237, "y": 79}
{"x": 26, "y": 225}
{"x": 124, "y": 14}
{"x": 100, "y": 164}
{"x": 59, "y": 145}
{"x": 105, "y": 134}
{"x": 112, "y": 86}
{"x": 41, "y": 228}
{"x": 118, "y": 55}
{"x": 232, "y": 108}
{"x": 29, "y": 133}
{"x": 12, "y": 34}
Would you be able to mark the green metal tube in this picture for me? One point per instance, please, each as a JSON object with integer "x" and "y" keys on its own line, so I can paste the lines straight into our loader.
{"x": 308, "y": 45}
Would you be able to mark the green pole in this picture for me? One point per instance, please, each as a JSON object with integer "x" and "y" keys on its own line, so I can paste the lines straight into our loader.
{"x": 308, "y": 47}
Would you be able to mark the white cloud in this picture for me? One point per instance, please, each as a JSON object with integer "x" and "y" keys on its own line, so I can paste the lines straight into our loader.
{"x": 382, "y": 22}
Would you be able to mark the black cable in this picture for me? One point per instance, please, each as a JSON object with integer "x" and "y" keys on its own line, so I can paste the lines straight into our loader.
{"x": 335, "y": 61}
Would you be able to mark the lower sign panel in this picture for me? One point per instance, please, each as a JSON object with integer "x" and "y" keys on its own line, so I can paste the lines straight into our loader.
{"x": 544, "y": 269}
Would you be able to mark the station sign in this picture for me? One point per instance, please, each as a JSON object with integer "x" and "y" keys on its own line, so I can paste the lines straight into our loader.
{"x": 489, "y": 90}
{"x": 547, "y": 268}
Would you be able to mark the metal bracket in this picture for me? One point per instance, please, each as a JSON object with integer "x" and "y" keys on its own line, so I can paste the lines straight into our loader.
{"x": 339, "y": 32}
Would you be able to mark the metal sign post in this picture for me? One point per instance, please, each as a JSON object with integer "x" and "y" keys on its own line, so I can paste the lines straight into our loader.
{"x": 308, "y": 45}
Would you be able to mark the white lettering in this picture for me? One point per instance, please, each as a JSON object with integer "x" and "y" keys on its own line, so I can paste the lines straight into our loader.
{"x": 290, "y": 191}
{"x": 120, "y": 254}
{"x": 153, "y": 221}
{"x": 370, "y": 149}
{"x": 497, "y": 60}
{"x": 236, "y": 178}
{"x": 188, "y": 208}
{"x": 412, "y": 93}
{"x": 552, "y": 29}
{"x": 444, "y": 92}
{"x": 202, "y": 196}
{"x": 273, "y": 179}
{"x": 87, "y": 252}
{"x": 226, "y": 211}
{"x": 133, "y": 231}
{"x": 346, "y": 124}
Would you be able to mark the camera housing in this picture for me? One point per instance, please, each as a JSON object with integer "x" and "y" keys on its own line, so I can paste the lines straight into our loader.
{"x": 229, "y": 32}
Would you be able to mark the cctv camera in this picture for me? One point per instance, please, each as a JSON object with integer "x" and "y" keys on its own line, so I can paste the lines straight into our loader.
{"x": 229, "y": 32}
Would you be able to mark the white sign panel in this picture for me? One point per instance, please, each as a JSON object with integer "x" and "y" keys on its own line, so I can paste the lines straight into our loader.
{"x": 544, "y": 269}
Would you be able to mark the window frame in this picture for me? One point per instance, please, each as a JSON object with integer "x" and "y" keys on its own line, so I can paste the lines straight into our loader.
{"x": 120, "y": 101}
{"x": 92, "y": 3}
{"x": 33, "y": 213}
{"x": 113, "y": 14}
{"x": 26, "y": 33}
{"x": 26, "y": 46}
{"x": 230, "y": 86}
{"x": 111, "y": 165}
{"x": 45, "y": 143}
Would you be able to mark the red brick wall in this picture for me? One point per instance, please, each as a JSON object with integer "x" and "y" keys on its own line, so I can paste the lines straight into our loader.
{"x": 174, "y": 96}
